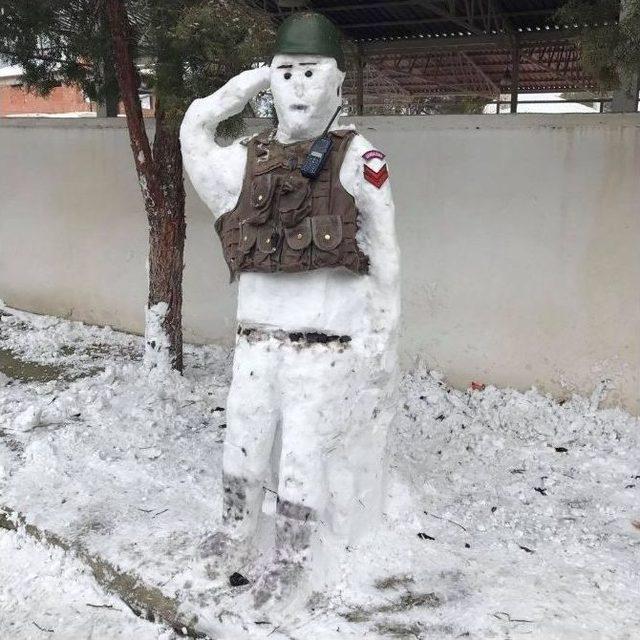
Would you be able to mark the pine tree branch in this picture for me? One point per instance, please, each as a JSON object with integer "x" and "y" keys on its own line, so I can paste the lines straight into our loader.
{"x": 10, "y": 53}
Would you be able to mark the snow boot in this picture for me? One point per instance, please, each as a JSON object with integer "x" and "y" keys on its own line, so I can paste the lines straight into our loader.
{"x": 294, "y": 526}
{"x": 230, "y": 548}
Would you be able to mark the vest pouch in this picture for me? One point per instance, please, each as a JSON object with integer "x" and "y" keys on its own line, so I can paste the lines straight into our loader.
{"x": 299, "y": 237}
{"x": 262, "y": 190}
{"x": 296, "y": 250}
{"x": 327, "y": 236}
{"x": 294, "y": 202}
{"x": 267, "y": 239}
{"x": 248, "y": 235}
{"x": 229, "y": 233}
{"x": 327, "y": 232}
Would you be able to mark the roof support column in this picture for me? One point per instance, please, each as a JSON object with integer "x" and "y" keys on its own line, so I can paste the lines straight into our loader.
{"x": 515, "y": 75}
{"x": 625, "y": 98}
{"x": 360, "y": 82}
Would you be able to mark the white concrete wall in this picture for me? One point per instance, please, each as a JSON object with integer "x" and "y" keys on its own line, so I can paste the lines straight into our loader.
{"x": 520, "y": 239}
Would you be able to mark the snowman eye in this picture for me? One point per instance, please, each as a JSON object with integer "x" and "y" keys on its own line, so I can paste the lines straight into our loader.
{"x": 308, "y": 73}
{"x": 287, "y": 76}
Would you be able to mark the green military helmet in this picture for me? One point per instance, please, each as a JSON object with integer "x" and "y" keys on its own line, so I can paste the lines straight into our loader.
{"x": 311, "y": 34}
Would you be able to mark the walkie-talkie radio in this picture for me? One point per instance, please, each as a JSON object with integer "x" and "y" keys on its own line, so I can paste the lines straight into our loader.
{"x": 320, "y": 150}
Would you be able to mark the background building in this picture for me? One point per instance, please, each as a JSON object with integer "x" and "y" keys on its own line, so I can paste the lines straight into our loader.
{"x": 63, "y": 101}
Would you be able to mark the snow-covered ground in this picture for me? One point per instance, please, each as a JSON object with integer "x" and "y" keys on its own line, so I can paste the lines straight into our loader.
{"x": 510, "y": 515}
{"x": 45, "y": 591}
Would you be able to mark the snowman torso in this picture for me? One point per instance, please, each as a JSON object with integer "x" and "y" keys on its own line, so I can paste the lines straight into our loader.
{"x": 291, "y": 275}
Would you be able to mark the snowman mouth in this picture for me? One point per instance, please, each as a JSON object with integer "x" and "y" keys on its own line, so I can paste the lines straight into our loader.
{"x": 299, "y": 107}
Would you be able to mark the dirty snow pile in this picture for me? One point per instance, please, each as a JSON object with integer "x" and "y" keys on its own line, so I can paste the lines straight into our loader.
{"x": 509, "y": 514}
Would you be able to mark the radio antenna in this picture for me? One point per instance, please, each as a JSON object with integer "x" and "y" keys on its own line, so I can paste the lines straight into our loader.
{"x": 335, "y": 115}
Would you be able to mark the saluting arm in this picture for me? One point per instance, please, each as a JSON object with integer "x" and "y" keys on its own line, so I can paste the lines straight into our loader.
{"x": 217, "y": 172}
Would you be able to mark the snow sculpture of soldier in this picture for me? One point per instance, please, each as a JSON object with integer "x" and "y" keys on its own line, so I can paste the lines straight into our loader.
{"x": 318, "y": 303}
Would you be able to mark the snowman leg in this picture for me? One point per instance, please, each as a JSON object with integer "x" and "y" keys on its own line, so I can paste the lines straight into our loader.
{"x": 299, "y": 496}
{"x": 252, "y": 419}
{"x": 316, "y": 406}
{"x": 337, "y": 405}
{"x": 356, "y": 470}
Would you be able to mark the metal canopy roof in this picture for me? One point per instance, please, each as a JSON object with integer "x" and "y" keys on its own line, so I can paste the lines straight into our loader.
{"x": 413, "y": 49}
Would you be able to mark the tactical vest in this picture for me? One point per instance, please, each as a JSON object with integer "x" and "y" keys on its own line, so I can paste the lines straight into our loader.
{"x": 286, "y": 222}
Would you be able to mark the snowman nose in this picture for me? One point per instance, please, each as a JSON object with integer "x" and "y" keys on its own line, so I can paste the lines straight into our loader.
{"x": 299, "y": 88}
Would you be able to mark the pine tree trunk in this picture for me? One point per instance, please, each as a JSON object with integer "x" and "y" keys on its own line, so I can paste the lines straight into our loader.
{"x": 167, "y": 230}
{"x": 161, "y": 181}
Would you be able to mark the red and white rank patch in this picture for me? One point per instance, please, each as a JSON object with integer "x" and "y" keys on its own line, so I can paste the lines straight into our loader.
{"x": 376, "y": 178}
{"x": 372, "y": 154}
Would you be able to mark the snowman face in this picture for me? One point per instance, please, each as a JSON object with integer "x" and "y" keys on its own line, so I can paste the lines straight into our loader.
{"x": 306, "y": 93}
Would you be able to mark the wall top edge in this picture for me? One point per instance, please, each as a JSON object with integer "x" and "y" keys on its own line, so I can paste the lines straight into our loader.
{"x": 383, "y": 123}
